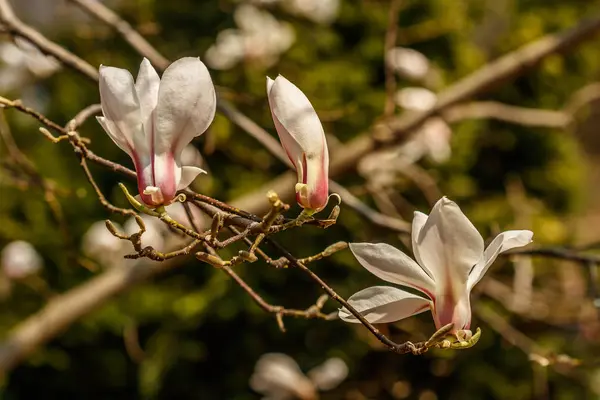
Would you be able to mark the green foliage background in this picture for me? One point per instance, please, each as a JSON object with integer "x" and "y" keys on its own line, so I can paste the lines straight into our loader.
{"x": 202, "y": 334}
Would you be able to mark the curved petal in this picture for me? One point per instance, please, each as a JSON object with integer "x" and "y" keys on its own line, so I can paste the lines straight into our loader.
{"x": 384, "y": 304}
{"x": 146, "y": 85}
{"x": 392, "y": 265}
{"x": 290, "y": 145}
{"x": 186, "y": 105}
{"x": 501, "y": 243}
{"x": 418, "y": 222}
{"x": 296, "y": 114}
{"x": 188, "y": 174}
{"x": 112, "y": 131}
{"x": 303, "y": 139}
{"x": 449, "y": 246}
{"x": 120, "y": 106}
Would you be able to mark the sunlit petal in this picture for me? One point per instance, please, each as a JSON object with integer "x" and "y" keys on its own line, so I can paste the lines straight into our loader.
{"x": 384, "y": 304}
{"x": 501, "y": 243}
{"x": 186, "y": 105}
{"x": 392, "y": 265}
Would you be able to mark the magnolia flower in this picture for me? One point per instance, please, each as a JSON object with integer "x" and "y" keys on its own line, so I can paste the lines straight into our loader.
{"x": 98, "y": 243}
{"x": 302, "y": 136}
{"x": 19, "y": 259}
{"x": 408, "y": 63}
{"x": 450, "y": 260}
{"x": 153, "y": 120}
{"x": 278, "y": 376}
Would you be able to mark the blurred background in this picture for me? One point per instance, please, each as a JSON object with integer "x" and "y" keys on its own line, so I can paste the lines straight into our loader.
{"x": 192, "y": 333}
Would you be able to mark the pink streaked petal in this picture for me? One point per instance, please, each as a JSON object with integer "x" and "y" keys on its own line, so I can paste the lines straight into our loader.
{"x": 166, "y": 175}
{"x": 452, "y": 309}
{"x": 384, "y": 304}
{"x": 317, "y": 183}
{"x": 186, "y": 105}
{"x": 392, "y": 265}
{"x": 501, "y": 243}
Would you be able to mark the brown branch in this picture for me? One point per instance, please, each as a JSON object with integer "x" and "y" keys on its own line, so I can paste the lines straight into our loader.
{"x": 559, "y": 253}
{"x": 390, "y": 41}
{"x": 137, "y": 41}
{"x": 507, "y": 113}
{"x": 400, "y": 348}
{"x": 515, "y": 337}
{"x": 61, "y": 311}
{"x": 313, "y": 311}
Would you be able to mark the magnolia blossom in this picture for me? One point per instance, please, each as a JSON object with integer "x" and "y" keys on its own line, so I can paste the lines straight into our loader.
{"x": 260, "y": 38}
{"x": 450, "y": 260}
{"x": 408, "y": 63}
{"x": 19, "y": 259}
{"x": 153, "y": 120}
{"x": 302, "y": 136}
{"x": 104, "y": 247}
{"x": 278, "y": 376}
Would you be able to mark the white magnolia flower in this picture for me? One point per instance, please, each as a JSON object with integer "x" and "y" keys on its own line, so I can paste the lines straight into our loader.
{"x": 279, "y": 377}
{"x": 260, "y": 37}
{"x": 319, "y": 11}
{"x": 450, "y": 260}
{"x": 330, "y": 374}
{"x": 303, "y": 139}
{"x": 416, "y": 98}
{"x": 98, "y": 243}
{"x": 153, "y": 120}
{"x": 20, "y": 259}
{"x": 408, "y": 63}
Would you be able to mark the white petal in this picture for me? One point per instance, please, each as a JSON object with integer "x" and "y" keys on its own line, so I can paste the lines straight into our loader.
{"x": 501, "y": 243}
{"x": 384, "y": 304}
{"x": 120, "y": 106}
{"x": 112, "y": 132}
{"x": 418, "y": 222}
{"x": 146, "y": 85}
{"x": 279, "y": 376}
{"x": 290, "y": 145}
{"x": 292, "y": 109}
{"x": 449, "y": 246}
{"x": 392, "y": 265}
{"x": 186, "y": 105}
{"x": 188, "y": 174}
{"x": 330, "y": 374}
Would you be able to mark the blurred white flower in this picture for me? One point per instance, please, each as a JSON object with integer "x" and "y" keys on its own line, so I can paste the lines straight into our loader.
{"x": 101, "y": 245}
{"x": 408, "y": 63}
{"x": 279, "y": 377}
{"x": 154, "y": 231}
{"x": 416, "y": 98}
{"x": 260, "y": 37}
{"x": 20, "y": 259}
{"x": 330, "y": 374}
{"x": 23, "y": 64}
{"x": 319, "y": 11}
